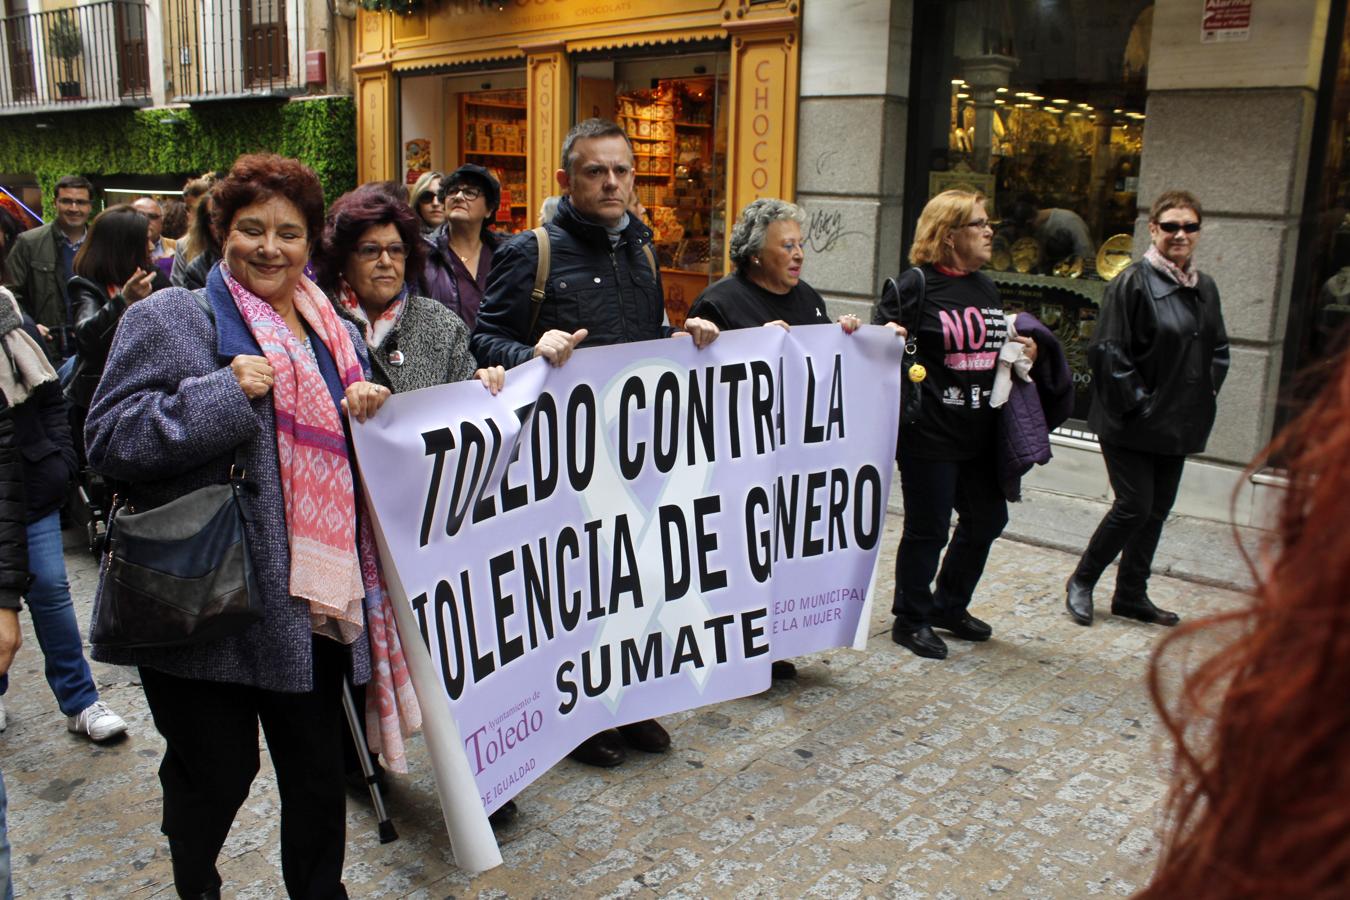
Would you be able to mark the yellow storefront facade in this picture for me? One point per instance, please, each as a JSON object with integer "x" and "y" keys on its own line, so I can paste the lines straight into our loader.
{"x": 706, "y": 89}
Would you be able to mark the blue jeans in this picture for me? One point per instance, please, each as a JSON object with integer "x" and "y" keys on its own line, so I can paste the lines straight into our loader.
{"x": 54, "y": 618}
{"x": 6, "y": 879}
{"x": 66, "y": 371}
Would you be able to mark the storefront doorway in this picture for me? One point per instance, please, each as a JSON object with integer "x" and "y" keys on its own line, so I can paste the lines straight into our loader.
{"x": 674, "y": 110}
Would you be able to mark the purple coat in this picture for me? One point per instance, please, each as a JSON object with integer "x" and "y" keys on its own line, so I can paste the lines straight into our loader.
{"x": 1034, "y": 408}
{"x": 165, "y": 420}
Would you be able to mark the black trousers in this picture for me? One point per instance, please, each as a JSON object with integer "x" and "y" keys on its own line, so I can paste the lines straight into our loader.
{"x": 932, "y": 488}
{"x": 211, "y": 729}
{"x": 1145, "y": 485}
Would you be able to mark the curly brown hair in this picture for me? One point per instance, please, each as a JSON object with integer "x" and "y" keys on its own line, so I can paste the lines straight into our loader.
{"x": 258, "y": 177}
{"x": 1260, "y": 801}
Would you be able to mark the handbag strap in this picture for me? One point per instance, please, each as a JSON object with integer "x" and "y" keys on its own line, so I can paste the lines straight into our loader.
{"x": 238, "y": 471}
{"x": 911, "y": 334}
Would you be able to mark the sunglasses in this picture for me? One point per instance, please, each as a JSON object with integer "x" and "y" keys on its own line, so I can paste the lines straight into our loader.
{"x": 426, "y": 197}
{"x": 1174, "y": 227}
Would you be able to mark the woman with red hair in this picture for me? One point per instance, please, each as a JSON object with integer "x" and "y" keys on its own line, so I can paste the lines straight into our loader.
{"x": 1261, "y": 798}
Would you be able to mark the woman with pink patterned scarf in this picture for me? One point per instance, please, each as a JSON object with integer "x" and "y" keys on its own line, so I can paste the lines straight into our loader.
{"x": 259, "y": 364}
{"x": 1158, "y": 358}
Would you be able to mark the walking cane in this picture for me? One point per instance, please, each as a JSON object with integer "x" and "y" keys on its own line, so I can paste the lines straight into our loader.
{"x": 387, "y": 832}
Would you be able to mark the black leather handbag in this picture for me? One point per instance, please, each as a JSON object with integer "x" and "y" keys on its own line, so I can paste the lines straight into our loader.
{"x": 180, "y": 573}
{"x": 911, "y": 393}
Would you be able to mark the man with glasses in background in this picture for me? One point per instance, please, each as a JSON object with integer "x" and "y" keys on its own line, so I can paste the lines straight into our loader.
{"x": 42, "y": 263}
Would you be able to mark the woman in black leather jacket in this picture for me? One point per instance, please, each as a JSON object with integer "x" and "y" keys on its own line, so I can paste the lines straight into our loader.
{"x": 112, "y": 271}
{"x": 1158, "y": 358}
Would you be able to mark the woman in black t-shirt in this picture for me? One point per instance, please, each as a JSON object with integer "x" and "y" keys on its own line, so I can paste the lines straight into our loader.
{"x": 947, "y": 458}
{"x": 766, "y": 287}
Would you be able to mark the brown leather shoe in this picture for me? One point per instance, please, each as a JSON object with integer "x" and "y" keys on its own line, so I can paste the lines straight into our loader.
{"x": 647, "y": 736}
{"x": 604, "y": 750}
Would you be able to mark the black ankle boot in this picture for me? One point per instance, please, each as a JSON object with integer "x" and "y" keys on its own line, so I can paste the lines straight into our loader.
{"x": 1078, "y": 599}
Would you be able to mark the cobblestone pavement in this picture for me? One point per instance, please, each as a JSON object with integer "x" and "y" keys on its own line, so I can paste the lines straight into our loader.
{"x": 1031, "y": 766}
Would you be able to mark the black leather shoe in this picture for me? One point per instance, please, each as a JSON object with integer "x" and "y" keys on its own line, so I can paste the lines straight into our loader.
{"x": 504, "y": 814}
{"x": 920, "y": 641}
{"x": 783, "y": 670}
{"x": 647, "y": 736}
{"x": 1142, "y": 609}
{"x": 604, "y": 750}
{"x": 1078, "y": 600}
{"x": 965, "y": 626}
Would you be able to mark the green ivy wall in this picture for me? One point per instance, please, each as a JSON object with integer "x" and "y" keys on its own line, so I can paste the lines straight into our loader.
{"x": 320, "y": 133}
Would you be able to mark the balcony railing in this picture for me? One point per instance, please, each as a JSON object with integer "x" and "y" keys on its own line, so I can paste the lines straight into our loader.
{"x": 92, "y": 55}
{"x": 219, "y": 49}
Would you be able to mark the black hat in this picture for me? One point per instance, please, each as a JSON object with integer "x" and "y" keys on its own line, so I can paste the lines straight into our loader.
{"x": 492, "y": 191}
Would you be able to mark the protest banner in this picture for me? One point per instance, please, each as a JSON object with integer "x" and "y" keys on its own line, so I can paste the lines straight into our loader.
{"x": 638, "y": 532}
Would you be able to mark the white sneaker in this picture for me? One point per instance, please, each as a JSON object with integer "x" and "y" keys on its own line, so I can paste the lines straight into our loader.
{"x": 97, "y": 722}
{"x": 4, "y": 715}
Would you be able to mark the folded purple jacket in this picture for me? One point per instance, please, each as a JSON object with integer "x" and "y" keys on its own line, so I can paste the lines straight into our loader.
{"x": 1034, "y": 408}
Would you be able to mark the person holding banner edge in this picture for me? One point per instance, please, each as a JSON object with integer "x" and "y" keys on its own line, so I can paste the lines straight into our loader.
{"x": 270, "y": 370}
{"x": 766, "y": 289}
{"x": 947, "y": 458}
{"x": 370, "y": 242}
{"x": 601, "y": 288}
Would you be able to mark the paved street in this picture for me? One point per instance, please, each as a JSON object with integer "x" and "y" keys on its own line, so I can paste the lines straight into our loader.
{"x": 1031, "y": 766}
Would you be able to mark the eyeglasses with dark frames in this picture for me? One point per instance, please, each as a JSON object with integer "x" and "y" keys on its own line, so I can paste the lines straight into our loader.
{"x": 372, "y": 252}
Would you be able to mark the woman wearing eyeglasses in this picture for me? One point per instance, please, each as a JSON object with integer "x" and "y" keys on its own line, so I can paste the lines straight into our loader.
{"x": 1158, "y": 358}
{"x": 370, "y": 239}
{"x": 370, "y": 243}
{"x": 948, "y": 457}
{"x": 456, "y": 270}
{"x": 425, "y": 199}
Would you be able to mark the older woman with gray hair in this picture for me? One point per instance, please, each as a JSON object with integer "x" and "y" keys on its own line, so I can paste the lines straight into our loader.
{"x": 766, "y": 287}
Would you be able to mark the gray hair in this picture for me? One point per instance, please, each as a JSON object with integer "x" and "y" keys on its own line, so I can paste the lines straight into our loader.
{"x": 747, "y": 235}
{"x": 585, "y": 130}
{"x": 548, "y": 209}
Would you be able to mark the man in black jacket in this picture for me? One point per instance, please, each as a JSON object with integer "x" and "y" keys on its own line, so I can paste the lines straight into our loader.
{"x": 603, "y": 288}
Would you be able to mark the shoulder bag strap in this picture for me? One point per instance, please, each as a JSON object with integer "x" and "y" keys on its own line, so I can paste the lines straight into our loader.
{"x": 540, "y": 276}
{"x": 651, "y": 260}
{"x": 238, "y": 472}
{"x": 911, "y": 332}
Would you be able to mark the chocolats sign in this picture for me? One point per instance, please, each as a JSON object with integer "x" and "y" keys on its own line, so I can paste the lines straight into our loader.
{"x": 638, "y": 532}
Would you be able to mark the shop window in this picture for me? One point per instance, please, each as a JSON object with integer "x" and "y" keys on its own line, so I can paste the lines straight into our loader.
{"x": 1039, "y": 105}
{"x": 1319, "y": 312}
{"x": 674, "y": 110}
{"x": 494, "y": 134}
{"x": 454, "y": 117}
